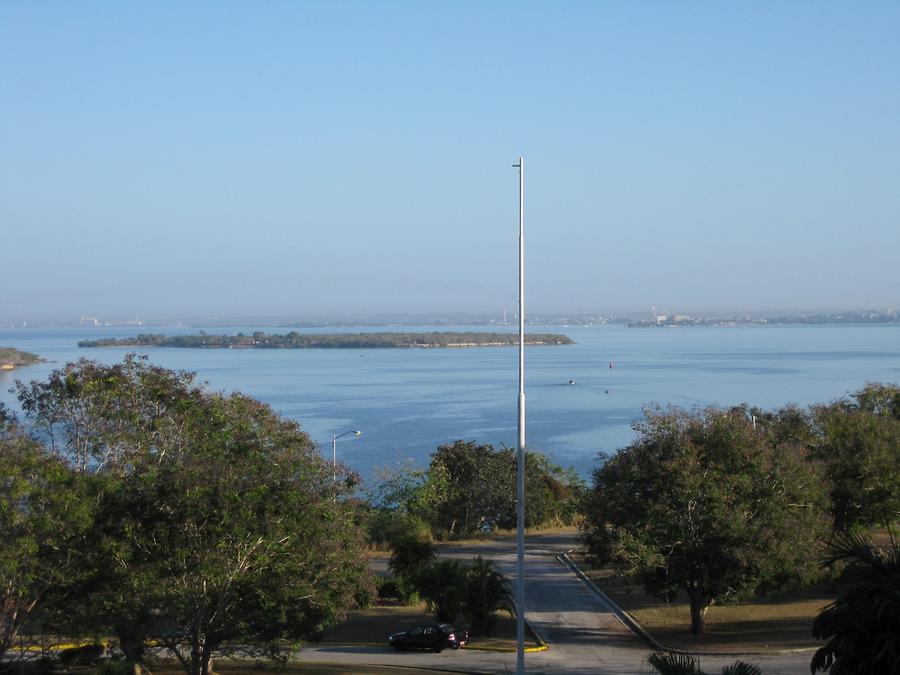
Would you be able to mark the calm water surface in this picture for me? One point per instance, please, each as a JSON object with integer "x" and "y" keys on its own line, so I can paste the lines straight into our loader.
{"x": 407, "y": 402}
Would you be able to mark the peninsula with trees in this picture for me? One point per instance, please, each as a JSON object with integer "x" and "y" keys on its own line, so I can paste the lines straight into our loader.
{"x": 294, "y": 340}
{"x": 10, "y": 358}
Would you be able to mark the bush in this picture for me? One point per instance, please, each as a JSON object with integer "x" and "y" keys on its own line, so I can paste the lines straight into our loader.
{"x": 399, "y": 589}
{"x": 385, "y": 526}
{"x": 112, "y": 667}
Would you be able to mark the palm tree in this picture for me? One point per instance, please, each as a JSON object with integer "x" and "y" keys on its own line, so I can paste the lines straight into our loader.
{"x": 674, "y": 663}
{"x": 410, "y": 555}
{"x": 862, "y": 625}
{"x": 486, "y": 592}
{"x": 442, "y": 584}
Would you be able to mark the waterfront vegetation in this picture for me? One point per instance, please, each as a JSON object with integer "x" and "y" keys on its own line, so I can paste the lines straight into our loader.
{"x": 714, "y": 506}
{"x": 295, "y": 340}
{"x": 144, "y": 508}
{"x": 468, "y": 490}
{"x": 140, "y": 506}
{"x": 13, "y": 358}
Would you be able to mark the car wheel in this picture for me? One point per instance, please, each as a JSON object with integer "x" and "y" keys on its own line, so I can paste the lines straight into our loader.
{"x": 438, "y": 649}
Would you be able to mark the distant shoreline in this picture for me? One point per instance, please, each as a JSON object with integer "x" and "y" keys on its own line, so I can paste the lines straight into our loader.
{"x": 10, "y": 358}
{"x": 294, "y": 340}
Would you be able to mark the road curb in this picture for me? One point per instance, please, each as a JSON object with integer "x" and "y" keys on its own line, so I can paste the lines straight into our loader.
{"x": 542, "y": 645}
{"x": 624, "y": 617}
{"x": 631, "y": 623}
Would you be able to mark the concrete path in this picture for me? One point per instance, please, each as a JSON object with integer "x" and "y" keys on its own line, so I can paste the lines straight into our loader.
{"x": 585, "y": 637}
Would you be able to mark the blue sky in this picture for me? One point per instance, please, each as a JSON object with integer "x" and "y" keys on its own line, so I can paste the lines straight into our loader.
{"x": 244, "y": 158}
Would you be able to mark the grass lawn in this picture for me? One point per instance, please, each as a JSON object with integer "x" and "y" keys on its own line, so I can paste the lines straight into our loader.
{"x": 780, "y": 622}
{"x": 371, "y": 626}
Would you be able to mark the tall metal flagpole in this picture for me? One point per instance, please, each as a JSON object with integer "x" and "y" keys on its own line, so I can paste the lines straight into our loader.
{"x": 520, "y": 446}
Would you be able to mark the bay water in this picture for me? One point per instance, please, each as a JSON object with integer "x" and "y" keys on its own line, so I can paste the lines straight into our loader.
{"x": 406, "y": 402}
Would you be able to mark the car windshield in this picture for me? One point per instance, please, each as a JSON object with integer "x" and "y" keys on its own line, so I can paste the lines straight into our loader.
{"x": 446, "y": 627}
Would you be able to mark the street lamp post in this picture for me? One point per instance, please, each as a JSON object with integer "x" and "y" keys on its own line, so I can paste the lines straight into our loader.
{"x": 334, "y": 438}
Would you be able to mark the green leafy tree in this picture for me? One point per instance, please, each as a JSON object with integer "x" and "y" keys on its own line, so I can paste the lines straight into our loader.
{"x": 882, "y": 400}
{"x": 469, "y": 489}
{"x": 409, "y": 555}
{"x": 862, "y": 626}
{"x": 708, "y": 505}
{"x": 858, "y": 442}
{"x": 552, "y": 494}
{"x": 218, "y": 519}
{"x": 473, "y": 483}
{"x": 110, "y": 418}
{"x": 258, "y": 548}
{"x": 117, "y": 422}
{"x": 400, "y": 505}
{"x": 45, "y": 511}
{"x": 486, "y": 591}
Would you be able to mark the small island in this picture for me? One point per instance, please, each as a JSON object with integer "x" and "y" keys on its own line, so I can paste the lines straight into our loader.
{"x": 294, "y": 340}
{"x": 10, "y": 358}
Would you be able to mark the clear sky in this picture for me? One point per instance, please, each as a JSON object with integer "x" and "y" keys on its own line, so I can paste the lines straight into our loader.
{"x": 193, "y": 158}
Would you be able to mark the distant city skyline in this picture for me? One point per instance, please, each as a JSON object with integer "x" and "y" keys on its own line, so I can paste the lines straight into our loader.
{"x": 660, "y": 316}
{"x": 166, "y": 160}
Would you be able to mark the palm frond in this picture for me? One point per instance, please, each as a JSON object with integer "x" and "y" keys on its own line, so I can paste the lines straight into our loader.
{"x": 741, "y": 668}
{"x": 672, "y": 663}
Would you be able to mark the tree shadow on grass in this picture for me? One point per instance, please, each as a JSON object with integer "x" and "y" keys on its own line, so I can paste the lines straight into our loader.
{"x": 745, "y": 636}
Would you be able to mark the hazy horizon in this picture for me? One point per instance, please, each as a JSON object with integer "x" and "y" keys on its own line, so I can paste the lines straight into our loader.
{"x": 246, "y": 159}
{"x": 457, "y": 318}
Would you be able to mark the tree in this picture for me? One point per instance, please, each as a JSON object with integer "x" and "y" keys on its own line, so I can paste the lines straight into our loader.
{"x": 858, "y": 442}
{"x": 674, "y": 663}
{"x": 399, "y": 505}
{"x": 411, "y": 556}
{"x": 110, "y": 418}
{"x": 469, "y": 489}
{"x": 472, "y": 483}
{"x": 486, "y": 592}
{"x": 862, "y": 626}
{"x": 552, "y": 494}
{"x": 258, "y": 548}
{"x": 443, "y": 585}
{"x": 218, "y": 519}
{"x": 44, "y": 514}
{"x": 706, "y": 504}
{"x": 117, "y": 422}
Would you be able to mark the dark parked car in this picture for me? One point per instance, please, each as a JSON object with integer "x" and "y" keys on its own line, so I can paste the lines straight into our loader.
{"x": 433, "y": 636}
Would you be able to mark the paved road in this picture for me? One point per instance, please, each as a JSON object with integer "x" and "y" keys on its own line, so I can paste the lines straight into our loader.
{"x": 584, "y": 636}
